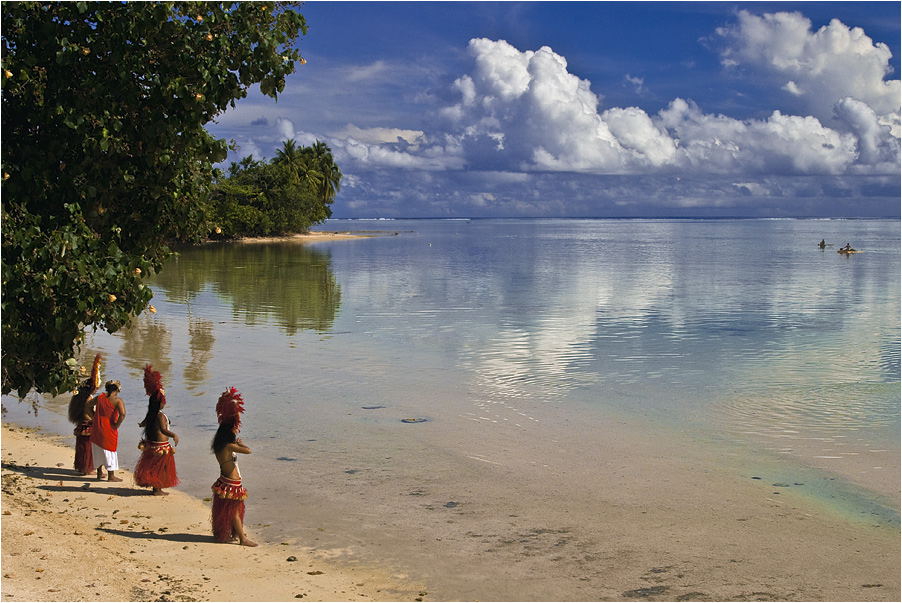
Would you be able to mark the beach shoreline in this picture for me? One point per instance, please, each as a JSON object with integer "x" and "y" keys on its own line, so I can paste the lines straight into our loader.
{"x": 666, "y": 529}
{"x": 316, "y": 236}
{"x": 68, "y": 537}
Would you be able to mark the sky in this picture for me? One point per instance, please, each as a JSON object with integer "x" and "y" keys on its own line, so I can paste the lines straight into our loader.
{"x": 594, "y": 109}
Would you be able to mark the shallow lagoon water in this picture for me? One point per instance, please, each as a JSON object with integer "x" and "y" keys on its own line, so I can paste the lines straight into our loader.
{"x": 385, "y": 376}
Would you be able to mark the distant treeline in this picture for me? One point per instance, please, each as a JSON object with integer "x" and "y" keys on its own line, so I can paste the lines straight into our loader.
{"x": 288, "y": 194}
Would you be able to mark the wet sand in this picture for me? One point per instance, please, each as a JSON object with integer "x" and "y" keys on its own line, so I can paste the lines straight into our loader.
{"x": 535, "y": 513}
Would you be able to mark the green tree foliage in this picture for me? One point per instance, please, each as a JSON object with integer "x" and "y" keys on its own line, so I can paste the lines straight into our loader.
{"x": 298, "y": 164}
{"x": 105, "y": 157}
{"x": 330, "y": 176}
{"x": 287, "y": 195}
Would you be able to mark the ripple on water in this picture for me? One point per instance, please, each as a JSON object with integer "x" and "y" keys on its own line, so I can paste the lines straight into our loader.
{"x": 842, "y": 422}
{"x": 846, "y": 406}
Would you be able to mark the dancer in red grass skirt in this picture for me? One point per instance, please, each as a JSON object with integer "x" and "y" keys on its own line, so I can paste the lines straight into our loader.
{"x": 156, "y": 467}
{"x": 228, "y": 493}
{"x": 81, "y": 413}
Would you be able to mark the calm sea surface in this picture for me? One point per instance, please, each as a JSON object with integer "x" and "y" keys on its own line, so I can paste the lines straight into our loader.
{"x": 741, "y": 333}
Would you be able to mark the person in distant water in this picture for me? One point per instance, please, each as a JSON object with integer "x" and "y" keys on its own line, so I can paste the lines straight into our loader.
{"x": 846, "y": 249}
{"x": 156, "y": 466}
{"x": 81, "y": 413}
{"x": 228, "y": 494}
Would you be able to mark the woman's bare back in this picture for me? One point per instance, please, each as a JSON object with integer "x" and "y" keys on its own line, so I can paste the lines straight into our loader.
{"x": 228, "y": 461}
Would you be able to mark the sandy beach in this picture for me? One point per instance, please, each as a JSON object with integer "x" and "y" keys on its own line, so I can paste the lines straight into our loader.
{"x": 317, "y": 236}
{"x": 645, "y": 538}
{"x": 66, "y": 537}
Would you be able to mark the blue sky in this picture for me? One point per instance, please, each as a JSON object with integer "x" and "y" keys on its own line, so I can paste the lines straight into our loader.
{"x": 595, "y": 109}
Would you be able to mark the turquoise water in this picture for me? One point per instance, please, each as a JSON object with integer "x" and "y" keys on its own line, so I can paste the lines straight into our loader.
{"x": 494, "y": 334}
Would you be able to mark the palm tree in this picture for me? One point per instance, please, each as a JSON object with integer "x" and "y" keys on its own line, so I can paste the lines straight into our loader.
{"x": 289, "y": 155}
{"x": 307, "y": 172}
{"x": 321, "y": 156}
{"x": 242, "y": 166}
{"x": 298, "y": 163}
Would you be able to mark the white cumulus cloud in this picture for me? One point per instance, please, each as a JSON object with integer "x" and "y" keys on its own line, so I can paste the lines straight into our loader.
{"x": 285, "y": 128}
{"x": 780, "y": 144}
{"x": 369, "y": 155}
{"x": 524, "y": 110}
{"x": 382, "y": 135}
{"x": 517, "y": 133}
{"x": 822, "y": 66}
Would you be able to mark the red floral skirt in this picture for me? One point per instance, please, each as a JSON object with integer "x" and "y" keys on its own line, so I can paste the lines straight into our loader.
{"x": 84, "y": 458}
{"x": 156, "y": 467}
{"x": 228, "y": 502}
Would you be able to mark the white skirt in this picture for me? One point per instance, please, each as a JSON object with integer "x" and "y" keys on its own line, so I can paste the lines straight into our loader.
{"x": 110, "y": 458}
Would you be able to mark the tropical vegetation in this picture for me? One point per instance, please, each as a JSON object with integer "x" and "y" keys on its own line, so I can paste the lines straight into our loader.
{"x": 105, "y": 157}
{"x": 288, "y": 194}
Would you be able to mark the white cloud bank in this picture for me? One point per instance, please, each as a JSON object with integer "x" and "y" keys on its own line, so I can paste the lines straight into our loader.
{"x": 524, "y": 111}
{"x": 519, "y": 134}
{"x": 823, "y": 66}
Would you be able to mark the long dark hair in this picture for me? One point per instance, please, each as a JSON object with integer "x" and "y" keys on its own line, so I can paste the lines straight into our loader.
{"x": 224, "y": 436}
{"x": 151, "y": 421}
{"x": 78, "y": 401}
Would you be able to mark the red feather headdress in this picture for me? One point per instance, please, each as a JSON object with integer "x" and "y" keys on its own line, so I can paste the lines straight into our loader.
{"x": 153, "y": 382}
{"x": 95, "y": 373}
{"x": 229, "y": 408}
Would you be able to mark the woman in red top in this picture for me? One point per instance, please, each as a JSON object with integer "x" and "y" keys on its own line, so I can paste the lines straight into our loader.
{"x": 109, "y": 413}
